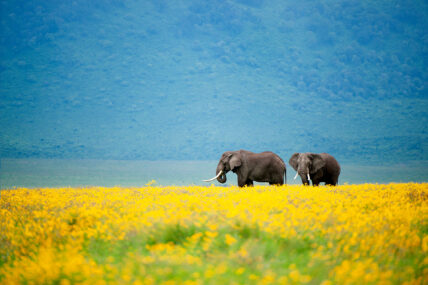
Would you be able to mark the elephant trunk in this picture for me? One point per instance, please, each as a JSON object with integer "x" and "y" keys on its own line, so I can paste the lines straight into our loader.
{"x": 222, "y": 178}
{"x": 305, "y": 180}
{"x": 304, "y": 174}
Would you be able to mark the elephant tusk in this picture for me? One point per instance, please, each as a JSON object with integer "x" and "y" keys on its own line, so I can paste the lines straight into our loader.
{"x": 297, "y": 174}
{"x": 309, "y": 178}
{"x": 218, "y": 175}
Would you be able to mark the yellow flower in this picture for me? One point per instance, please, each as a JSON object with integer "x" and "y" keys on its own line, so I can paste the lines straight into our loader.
{"x": 211, "y": 234}
{"x": 221, "y": 269}
{"x": 425, "y": 243}
{"x": 253, "y": 277}
{"x": 294, "y": 275}
{"x": 65, "y": 282}
{"x": 213, "y": 227}
{"x": 209, "y": 273}
{"x": 230, "y": 239}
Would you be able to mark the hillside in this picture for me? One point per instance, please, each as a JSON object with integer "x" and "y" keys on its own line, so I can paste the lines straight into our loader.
{"x": 191, "y": 79}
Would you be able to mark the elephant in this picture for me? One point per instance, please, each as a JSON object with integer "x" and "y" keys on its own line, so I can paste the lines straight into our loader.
{"x": 250, "y": 167}
{"x": 318, "y": 167}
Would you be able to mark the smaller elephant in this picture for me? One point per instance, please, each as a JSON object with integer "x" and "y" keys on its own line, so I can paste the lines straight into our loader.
{"x": 318, "y": 167}
{"x": 250, "y": 167}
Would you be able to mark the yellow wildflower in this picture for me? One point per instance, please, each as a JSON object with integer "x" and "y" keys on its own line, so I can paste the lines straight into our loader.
{"x": 230, "y": 239}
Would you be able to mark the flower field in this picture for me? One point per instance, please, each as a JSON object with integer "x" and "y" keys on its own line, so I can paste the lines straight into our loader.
{"x": 349, "y": 234}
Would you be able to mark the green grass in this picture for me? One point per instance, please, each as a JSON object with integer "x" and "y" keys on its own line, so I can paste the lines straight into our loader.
{"x": 264, "y": 253}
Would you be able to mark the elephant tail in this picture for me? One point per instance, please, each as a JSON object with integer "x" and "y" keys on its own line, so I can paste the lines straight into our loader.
{"x": 285, "y": 175}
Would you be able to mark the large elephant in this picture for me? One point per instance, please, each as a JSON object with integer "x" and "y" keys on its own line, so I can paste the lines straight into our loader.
{"x": 318, "y": 167}
{"x": 250, "y": 167}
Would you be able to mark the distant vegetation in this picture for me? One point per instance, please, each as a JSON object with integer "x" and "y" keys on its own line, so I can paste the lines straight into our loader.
{"x": 191, "y": 79}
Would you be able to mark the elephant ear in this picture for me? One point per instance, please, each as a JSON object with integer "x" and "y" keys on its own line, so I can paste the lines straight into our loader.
{"x": 317, "y": 162}
{"x": 235, "y": 161}
{"x": 293, "y": 160}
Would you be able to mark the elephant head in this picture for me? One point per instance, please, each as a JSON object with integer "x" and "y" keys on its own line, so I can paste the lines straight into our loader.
{"x": 229, "y": 161}
{"x": 306, "y": 165}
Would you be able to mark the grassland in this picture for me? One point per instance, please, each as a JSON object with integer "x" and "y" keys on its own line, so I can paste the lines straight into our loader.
{"x": 350, "y": 234}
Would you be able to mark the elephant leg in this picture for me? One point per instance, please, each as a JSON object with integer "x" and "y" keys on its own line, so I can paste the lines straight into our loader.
{"x": 242, "y": 181}
{"x": 331, "y": 180}
{"x": 317, "y": 178}
{"x": 249, "y": 183}
{"x": 277, "y": 181}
